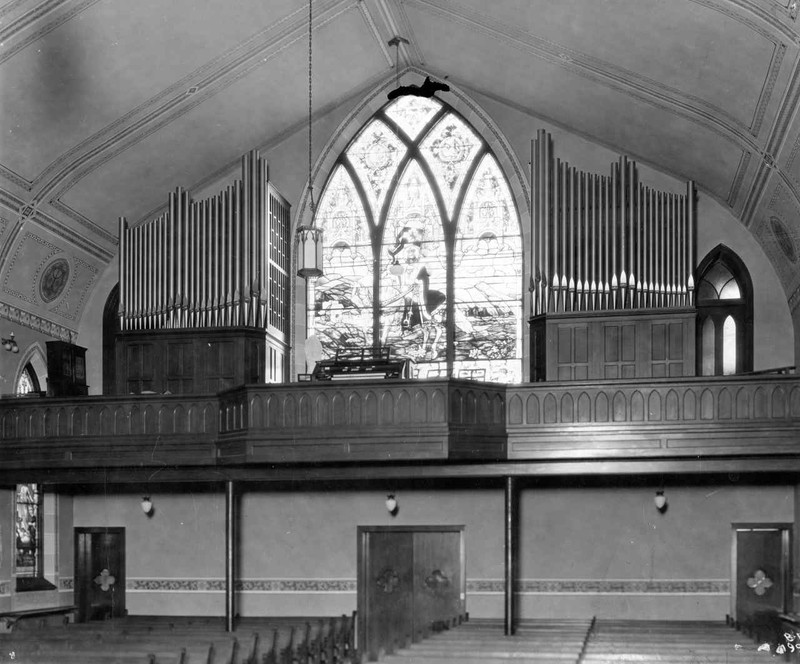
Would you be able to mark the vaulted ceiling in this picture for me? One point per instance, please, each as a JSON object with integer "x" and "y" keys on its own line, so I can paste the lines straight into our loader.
{"x": 105, "y": 105}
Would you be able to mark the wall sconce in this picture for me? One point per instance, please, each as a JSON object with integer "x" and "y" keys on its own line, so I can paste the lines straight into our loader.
{"x": 10, "y": 344}
{"x": 661, "y": 501}
{"x": 391, "y": 504}
{"x": 147, "y": 506}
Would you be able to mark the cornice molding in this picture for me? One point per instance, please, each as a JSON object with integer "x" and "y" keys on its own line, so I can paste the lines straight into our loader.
{"x": 36, "y": 323}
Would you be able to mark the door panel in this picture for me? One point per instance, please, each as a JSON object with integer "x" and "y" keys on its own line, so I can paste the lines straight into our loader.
{"x": 761, "y": 571}
{"x": 99, "y": 573}
{"x": 389, "y": 588}
{"x": 437, "y": 578}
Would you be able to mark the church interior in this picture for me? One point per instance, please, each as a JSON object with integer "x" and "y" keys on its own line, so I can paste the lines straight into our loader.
{"x": 405, "y": 311}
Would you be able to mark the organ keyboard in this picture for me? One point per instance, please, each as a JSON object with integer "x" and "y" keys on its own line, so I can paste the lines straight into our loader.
{"x": 362, "y": 364}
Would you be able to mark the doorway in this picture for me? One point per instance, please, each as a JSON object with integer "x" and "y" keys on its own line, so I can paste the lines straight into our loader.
{"x": 99, "y": 573}
{"x": 408, "y": 579}
{"x": 761, "y": 573}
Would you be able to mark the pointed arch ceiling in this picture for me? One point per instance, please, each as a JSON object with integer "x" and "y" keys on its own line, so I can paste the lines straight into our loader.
{"x": 108, "y": 104}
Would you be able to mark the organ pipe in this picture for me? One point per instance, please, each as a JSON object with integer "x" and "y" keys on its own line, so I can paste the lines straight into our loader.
{"x": 603, "y": 242}
{"x": 203, "y": 263}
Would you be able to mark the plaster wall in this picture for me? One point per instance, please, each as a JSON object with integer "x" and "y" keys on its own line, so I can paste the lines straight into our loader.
{"x": 583, "y": 551}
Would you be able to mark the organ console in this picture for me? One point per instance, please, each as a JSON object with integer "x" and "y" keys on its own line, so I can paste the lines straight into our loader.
{"x": 612, "y": 275}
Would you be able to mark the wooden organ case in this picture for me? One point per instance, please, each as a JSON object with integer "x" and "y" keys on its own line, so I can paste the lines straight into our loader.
{"x": 204, "y": 291}
{"x": 612, "y": 285}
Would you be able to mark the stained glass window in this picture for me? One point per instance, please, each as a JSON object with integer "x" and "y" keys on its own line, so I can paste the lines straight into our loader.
{"x": 422, "y": 247}
{"x": 28, "y": 528}
{"x": 27, "y": 381}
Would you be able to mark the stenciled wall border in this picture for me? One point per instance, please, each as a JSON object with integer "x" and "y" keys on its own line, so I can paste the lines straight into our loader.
{"x": 476, "y": 586}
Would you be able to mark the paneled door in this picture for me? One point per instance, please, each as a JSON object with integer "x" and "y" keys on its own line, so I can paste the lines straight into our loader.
{"x": 99, "y": 573}
{"x": 408, "y": 578}
{"x": 761, "y": 569}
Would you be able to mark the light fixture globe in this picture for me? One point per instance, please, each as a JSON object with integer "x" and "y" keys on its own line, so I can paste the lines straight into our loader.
{"x": 391, "y": 504}
{"x": 147, "y": 505}
{"x": 660, "y": 500}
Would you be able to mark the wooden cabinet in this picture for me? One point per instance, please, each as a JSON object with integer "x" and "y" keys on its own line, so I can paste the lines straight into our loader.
{"x": 613, "y": 345}
{"x": 196, "y": 361}
{"x": 66, "y": 370}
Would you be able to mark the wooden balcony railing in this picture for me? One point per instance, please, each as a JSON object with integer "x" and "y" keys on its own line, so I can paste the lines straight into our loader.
{"x": 388, "y": 420}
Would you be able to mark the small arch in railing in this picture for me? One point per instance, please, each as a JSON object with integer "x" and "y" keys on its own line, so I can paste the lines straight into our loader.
{"x": 338, "y": 410}
{"x": 550, "y": 409}
{"x": 195, "y": 418}
{"x": 779, "y": 403}
{"x": 484, "y": 409}
{"x": 387, "y": 408}
{"x": 274, "y": 411}
{"x": 672, "y": 407}
{"x": 706, "y": 405}
{"x": 79, "y": 423}
{"x": 257, "y": 411}
{"x": 122, "y": 424}
{"x": 620, "y": 407}
{"x": 402, "y": 409}
{"x": 760, "y": 407}
{"x": 165, "y": 421}
{"x": 567, "y": 408}
{"x": 532, "y": 409}
{"x": 62, "y": 423}
{"x": 371, "y": 409}
{"x": 420, "y": 412}
{"x": 637, "y": 407}
{"x": 49, "y": 423}
{"x": 794, "y": 403}
{"x": 654, "y": 413}
{"x": 36, "y": 423}
{"x": 469, "y": 411}
{"x": 498, "y": 409}
{"x": 438, "y": 411}
{"x": 150, "y": 421}
{"x": 356, "y": 403}
{"x": 584, "y": 411}
{"x": 456, "y": 406}
{"x": 180, "y": 419}
{"x": 743, "y": 404}
{"x": 689, "y": 406}
{"x": 290, "y": 417}
{"x": 9, "y": 425}
{"x": 601, "y": 407}
{"x": 305, "y": 417}
{"x": 322, "y": 410}
{"x": 137, "y": 426}
{"x": 724, "y": 404}
{"x": 210, "y": 413}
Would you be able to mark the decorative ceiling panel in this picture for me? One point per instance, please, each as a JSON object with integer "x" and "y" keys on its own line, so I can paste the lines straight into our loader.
{"x": 109, "y": 60}
{"x": 225, "y": 120}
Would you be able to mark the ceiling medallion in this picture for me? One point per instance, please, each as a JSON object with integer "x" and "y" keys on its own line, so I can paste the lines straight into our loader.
{"x": 54, "y": 279}
{"x": 784, "y": 240}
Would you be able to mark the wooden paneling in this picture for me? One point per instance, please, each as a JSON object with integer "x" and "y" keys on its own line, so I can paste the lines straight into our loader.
{"x": 613, "y": 345}
{"x": 198, "y": 361}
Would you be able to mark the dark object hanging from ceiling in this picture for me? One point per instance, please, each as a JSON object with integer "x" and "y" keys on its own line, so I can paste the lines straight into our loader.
{"x": 425, "y": 90}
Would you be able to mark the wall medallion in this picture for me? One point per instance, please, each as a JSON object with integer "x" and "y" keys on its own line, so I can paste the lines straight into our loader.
{"x": 759, "y": 583}
{"x": 436, "y": 582}
{"x": 54, "y": 279}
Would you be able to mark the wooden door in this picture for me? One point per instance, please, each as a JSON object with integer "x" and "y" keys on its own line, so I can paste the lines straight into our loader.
{"x": 99, "y": 573}
{"x": 761, "y": 571}
{"x": 408, "y": 578}
{"x": 438, "y": 582}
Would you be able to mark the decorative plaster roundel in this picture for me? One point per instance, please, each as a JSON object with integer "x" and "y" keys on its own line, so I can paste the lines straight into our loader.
{"x": 54, "y": 279}
{"x": 783, "y": 238}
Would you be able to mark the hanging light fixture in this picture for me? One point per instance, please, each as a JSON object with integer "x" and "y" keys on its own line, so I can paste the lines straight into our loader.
{"x": 10, "y": 344}
{"x": 309, "y": 238}
{"x": 147, "y": 505}
{"x": 391, "y": 504}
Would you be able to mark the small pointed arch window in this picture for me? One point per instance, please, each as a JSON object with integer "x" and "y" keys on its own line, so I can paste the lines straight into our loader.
{"x": 724, "y": 315}
{"x": 423, "y": 249}
{"x": 28, "y": 381}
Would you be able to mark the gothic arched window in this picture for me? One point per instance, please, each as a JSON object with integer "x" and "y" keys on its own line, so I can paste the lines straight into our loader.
{"x": 422, "y": 247}
{"x": 724, "y": 315}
